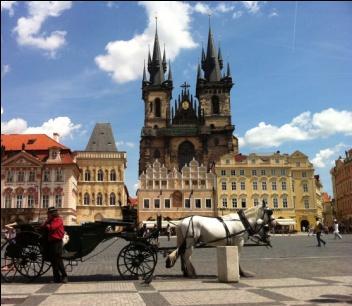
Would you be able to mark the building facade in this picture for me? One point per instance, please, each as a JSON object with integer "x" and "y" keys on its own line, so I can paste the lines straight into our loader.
{"x": 341, "y": 176}
{"x": 101, "y": 188}
{"x": 176, "y": 194}
{"x": 36, "y": 172}
{"x": 285, "y": 182}
{"x": 200, "y": 127}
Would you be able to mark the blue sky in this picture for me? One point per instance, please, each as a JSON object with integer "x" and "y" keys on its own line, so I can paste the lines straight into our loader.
{"x": 68, "y": 65}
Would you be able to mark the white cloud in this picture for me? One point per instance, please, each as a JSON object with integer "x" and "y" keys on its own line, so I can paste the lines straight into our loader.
{"x": 324, "y": 158}
{"x": 237, "y": 14}
{"x": 112, "y": 4}
{"x": 61, "y": 125}
{"x": 273, "y": 13}
{"x": 28, "y": 28}
{"x": 8, "y": 5}
{"x": 124, "y": 59}
{"x": 202, "y": 8}
{"x": 252, "y": 7}
{"x": 5, "y": 69}
{"x": 303, "y": 127}
{"x": 205, "y": 9}
{"x": 125, "y": 144}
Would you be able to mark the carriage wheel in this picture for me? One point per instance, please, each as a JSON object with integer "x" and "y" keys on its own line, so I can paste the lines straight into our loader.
{"x": 136, "y": 260}
{"x": 31, "y": 262}
{"x": 8, "y": 268}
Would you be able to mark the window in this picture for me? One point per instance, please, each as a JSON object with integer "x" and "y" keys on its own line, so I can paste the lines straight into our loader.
{"x": 99, "y": 199}
{"x": 30, "y": 201}
{"x": 19, "y": 201}
{"x": 233, "y": 172}
{"x": 305, "y": 187}
{"x": 284, "y": 202}
{"x": 298, "y": 164}
{"x": 241, "y": 171}
{"x": 262, "y": 172}
{"x": 86, "y": 199}
{"x": 243, "y": 185}
{"x": 304, "y": 174}
{"x": 198, "y": 203}
{"x": 58, "y": 200}
{"x": 264, "y": 185}
{"x": 146, "y": 203}
{"x": 31, "y": 177}
{"x": 87, "y": 175}
{"x": 45, "y": 200}
{"x": 9, "y": 177}
{"x": 156, "y": 203}
{"x": 255, "y": 185}
{"x": 254, "y": 172}
{"x": 275, "y": 203}
{"x": 233, "y": 186}
{"x": 234, "y": 202}
{"x": 224, "y": 202}
{"x": 223, "y": 172}
{"x": 187, "y": 203}
{"x": 306, "y": 203}
{"x": 255, "y": 202}
{"x": 207, "y": 203}
{"x": 157, "y": 107}
{"x": 8, "y": 201}
{"x": 20, "y": 176}
{"x": 293, "y": 186}
{"x": 283, "y": 172}
{"x": 59, "y": 176}
{"x": 277, "y": 161}
{"x": 273, "y": 172}
{"x": 243, "y": 203}
{"x": 112, "y": 199}
{"x": 223, "y": 185}
{"x": 273, "y": 185}
{"x": 215, "y": 104}
{"x": 283, "y": 185}
{"x": 112, "y": 175}
{"x": 167, "y": 203}
{"x": 46, "y": 175}
{"x": 100, "y": 175}
{"x": 53, "y": 154}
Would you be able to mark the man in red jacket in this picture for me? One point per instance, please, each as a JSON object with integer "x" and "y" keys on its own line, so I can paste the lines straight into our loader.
{"x": 55, "y": 228}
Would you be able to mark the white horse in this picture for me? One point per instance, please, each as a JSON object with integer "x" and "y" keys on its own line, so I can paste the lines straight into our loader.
{"x": 233, "y": 229}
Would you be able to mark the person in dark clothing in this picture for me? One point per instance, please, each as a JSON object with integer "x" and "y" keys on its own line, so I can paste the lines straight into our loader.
{"x": 55, "y": 228}
{"x": 318, "y": 229}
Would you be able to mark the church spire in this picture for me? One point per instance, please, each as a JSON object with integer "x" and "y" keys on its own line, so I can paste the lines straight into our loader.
{"x": 228, "y": 74}
{"x": 169, "y": 78}
{"x": 164, "y": 60}
{"x": 220, "y": 58}
{"x": 144, "y": 74}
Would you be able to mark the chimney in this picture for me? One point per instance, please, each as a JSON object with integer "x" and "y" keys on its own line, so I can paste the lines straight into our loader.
{"x": 56, "y": 137}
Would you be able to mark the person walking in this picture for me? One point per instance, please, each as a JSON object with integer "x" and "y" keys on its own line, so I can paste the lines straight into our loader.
{"x": 168, "y": 232}
{"x": 55, "y": 229}
{"x": 336, "y": 230}
{"x": 318, "y": 229}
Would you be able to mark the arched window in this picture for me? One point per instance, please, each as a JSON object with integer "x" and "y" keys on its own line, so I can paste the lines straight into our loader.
{"x": 157, "y": 107}
{"x": 112, "y": 175}
{"x": 86, "y": 199}
{"x": 186, "y": 153}
{"x": 112, "y": 199}
{"x": 215, "y": 104}
{"x": 100, "y": 175}
{"x": 150, "y": 107}
{"x": 99, "y": 199}
{"x": 20, "y": 176}
{"x": 30, "y": 201}
{"x": 8, "y": 201}
{"x": 156, "y": 154}
{"x": 87, "y": 175}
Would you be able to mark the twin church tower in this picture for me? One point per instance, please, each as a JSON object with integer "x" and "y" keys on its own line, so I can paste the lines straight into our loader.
{"x": 199, "y": 127}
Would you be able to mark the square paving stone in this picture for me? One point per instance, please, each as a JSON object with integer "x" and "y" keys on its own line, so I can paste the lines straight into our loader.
{"x": 96, "y": 287}
{"x": 279, "y": 282}
{"x": 101, "y": 299}
{"x": 189, "y": 285}
{"x": 344, "y": 279}
{"x": 216, "y": 297}
{"x": 20, "y": 289}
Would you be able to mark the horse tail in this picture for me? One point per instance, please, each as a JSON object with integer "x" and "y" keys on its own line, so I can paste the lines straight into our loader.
{"x": 181, "y": 247}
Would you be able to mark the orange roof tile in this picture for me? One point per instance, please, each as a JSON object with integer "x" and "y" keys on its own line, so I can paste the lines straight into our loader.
{"x": 13, "y": 142}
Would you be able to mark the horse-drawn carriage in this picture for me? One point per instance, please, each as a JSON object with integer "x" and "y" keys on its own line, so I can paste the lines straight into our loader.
{"x": 25, "y": 255}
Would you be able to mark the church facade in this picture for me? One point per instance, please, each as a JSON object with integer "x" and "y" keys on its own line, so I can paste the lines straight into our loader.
{"x": 199, "y": 127}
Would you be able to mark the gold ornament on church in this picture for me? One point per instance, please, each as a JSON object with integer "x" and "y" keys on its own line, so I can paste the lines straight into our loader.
{"x": 185, "y": 105}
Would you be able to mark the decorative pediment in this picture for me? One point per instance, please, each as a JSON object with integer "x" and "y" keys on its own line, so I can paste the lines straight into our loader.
{"x": 22, "y": 159}
{"x": 298, "y": 154}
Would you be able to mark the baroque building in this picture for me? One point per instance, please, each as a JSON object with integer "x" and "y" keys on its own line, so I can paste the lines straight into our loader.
{"x": 286, "y": 182}
{"x": 197, "y": 127}
{"x": 341, "y": 176}
{"x": 176, "y": 194}
{"x": 101, "y": 188}
{"x": 36, "y": 172}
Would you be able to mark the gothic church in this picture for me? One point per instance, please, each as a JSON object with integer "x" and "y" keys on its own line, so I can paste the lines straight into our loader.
{"x": 200, "y": 127}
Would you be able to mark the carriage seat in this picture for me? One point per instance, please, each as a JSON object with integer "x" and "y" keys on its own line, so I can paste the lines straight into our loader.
{"x": 68, "y": 254}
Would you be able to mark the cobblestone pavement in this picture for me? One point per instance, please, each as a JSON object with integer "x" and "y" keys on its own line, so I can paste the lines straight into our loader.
{"x": 293, "y": 272}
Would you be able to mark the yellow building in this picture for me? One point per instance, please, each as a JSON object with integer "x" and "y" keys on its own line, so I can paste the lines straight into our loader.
{"x": 101, "y": 188}
{"x": 286, "y": 182}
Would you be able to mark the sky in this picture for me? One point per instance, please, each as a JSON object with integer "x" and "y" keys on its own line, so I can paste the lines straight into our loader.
{"x": 66, "y": 66}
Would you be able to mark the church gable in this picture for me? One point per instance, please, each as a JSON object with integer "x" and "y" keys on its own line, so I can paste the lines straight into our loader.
{"x": 22, "y": 159}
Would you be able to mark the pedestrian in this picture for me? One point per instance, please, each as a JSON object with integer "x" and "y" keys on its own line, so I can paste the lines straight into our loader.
{"x": 318, "y": 229}
{"x": 168, "y": 232}
{"x": 10, "y": 235}
{"x": 55, "y": 229}
{"x": 336, "y": 230}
